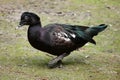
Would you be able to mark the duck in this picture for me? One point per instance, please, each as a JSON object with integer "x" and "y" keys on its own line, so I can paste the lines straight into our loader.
{"x": 57, "y": 39}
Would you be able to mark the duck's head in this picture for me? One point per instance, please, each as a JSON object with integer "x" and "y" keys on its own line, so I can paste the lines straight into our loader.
{"x": 28, "y": 18}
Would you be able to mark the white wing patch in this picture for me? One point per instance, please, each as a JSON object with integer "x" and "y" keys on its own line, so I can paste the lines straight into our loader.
{"x": 73, "y": 35}
{"x": 64, "y": 36}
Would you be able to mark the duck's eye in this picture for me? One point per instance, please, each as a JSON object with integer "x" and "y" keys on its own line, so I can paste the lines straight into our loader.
{"x": 27, "y": 18}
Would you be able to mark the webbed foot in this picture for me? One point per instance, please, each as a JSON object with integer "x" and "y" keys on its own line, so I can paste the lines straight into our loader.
{"x": 53, "y": 64}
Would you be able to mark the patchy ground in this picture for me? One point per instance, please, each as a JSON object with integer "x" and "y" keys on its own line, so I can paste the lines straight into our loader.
{"x": 19, "y": 61}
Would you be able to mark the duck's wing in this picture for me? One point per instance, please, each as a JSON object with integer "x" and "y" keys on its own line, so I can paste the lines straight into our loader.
{"x": 78, "y": 32}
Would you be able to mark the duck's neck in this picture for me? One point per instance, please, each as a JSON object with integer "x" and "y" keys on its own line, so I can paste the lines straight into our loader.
{"x": 34, "y": 30}
{"x": 36, "y": 24}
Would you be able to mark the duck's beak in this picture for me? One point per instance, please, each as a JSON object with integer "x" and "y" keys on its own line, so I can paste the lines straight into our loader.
{"x": 20, "y": 25}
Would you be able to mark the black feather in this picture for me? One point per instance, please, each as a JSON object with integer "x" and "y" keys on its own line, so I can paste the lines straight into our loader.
{"x": 93, "y": 31}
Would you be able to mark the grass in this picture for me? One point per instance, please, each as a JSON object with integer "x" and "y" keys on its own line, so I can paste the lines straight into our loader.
{"x": 19, "y": 61}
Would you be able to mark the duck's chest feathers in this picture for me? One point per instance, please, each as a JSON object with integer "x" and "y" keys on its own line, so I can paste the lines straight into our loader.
{"x": 34, "y": 35}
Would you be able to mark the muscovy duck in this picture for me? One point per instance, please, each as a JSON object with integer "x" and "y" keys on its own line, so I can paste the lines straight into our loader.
{"x": 57, "y": 39}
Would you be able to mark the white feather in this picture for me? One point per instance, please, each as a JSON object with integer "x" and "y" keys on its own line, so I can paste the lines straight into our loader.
{"x": 63, "y": 35}
{"x": 73, "y": 35}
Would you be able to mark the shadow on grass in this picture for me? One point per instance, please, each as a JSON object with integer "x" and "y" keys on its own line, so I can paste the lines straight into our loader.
{"x": 40, "y": 61}
{"x": 66, "y": 62}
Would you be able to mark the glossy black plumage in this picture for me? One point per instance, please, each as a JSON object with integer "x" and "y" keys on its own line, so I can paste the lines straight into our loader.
{"x": 58, "y": 39}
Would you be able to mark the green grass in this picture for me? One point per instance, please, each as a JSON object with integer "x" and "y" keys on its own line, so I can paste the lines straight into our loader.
{"x": 19, "y": 61}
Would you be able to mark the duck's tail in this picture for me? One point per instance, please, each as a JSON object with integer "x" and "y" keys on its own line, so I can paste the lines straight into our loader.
{"x": 93, "y": 31}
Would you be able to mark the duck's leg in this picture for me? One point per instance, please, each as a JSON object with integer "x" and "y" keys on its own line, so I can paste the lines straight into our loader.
{"x": 57, "y": 62}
